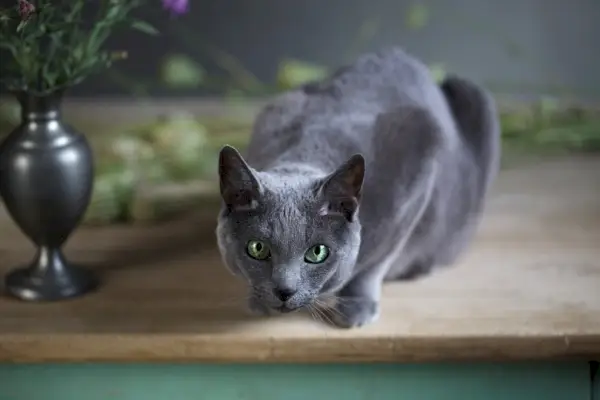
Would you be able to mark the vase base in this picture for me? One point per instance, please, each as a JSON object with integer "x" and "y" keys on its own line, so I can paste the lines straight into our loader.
{"x": 26, "y": 284}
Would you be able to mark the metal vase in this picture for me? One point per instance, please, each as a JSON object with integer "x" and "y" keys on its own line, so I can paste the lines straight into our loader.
{"x": 46, "y": 179}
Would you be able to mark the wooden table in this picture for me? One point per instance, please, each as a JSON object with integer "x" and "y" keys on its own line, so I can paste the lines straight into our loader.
{"x": 528, "y": 289}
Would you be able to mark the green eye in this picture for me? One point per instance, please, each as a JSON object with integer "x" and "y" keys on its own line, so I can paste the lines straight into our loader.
{"x": 316, "y": 254}
{"x": 258, "y": 250}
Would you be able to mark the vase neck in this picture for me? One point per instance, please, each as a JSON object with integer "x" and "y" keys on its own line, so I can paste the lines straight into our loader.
{"x": 40, "y": 108}
{"x": 49, "y": 260}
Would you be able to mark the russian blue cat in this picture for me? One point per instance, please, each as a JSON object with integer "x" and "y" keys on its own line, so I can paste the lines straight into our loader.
{"x": 376, "y": 173}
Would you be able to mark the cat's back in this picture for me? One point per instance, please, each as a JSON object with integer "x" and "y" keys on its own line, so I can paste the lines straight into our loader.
{"x": 339, "y": 112}
{"x": 384, "y": 79}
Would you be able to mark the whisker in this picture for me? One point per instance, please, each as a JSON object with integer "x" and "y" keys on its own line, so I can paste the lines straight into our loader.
{"x": 314, "y": 314}
{"x": 333, "y": 311}
{"x": 325, "y": 317}
{"x": 328, "y": 311}
{"x": 317, "y": 311}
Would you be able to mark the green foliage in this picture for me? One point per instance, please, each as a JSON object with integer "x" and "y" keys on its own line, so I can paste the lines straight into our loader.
{"x": 417, "y": 16}
{"x": 55, "y": 47}
{"x": 438, "y": 72}
{"x": 170, "y": 148}
{"x": 173, "y": 149}
{"x": 293, "y": 73}
{"x": 548, "y": 127}
{"x": 180, "y": 71}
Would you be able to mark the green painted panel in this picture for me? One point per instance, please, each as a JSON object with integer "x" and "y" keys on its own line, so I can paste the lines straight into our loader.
{"x": 596, "y": 385}
{"x": 294, "y": 382}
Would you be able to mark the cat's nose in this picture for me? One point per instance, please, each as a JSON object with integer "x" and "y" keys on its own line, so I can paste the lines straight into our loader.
{"x": 283, "y": 294}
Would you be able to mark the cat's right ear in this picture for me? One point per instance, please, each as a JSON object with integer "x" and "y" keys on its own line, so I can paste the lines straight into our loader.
{"x": 342, "y": 189}
{"x": 240, "y": 189}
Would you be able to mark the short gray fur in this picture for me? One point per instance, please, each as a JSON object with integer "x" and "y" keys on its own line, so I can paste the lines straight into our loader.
{"x": 428, "y": 154}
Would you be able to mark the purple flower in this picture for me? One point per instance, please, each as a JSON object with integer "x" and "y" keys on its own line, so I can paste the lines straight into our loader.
{"x": 176, "y": 7}
{"x": 25, "y": 9}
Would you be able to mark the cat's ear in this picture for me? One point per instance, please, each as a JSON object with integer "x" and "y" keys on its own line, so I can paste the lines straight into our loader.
{"x": 342, "y": 189}
{"x": 240, "y": 189}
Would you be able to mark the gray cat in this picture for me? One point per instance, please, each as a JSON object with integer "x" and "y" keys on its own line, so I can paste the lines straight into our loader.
{"x": 376, "y": 173}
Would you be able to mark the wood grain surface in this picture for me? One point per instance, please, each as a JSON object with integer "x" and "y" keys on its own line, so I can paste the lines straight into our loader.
{"x": 528, "y": 289}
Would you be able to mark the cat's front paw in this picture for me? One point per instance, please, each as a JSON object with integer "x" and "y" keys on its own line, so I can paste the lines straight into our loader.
{"x": 355, "y": 313}
{"x": 257, "y": 308}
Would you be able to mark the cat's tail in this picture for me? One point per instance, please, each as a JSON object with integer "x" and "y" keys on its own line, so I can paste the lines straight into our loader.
{"x": 476, "y": 115}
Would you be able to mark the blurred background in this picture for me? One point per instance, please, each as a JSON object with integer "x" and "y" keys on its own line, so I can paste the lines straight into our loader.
{"x": 228, "y": 47}
{"x": 157, "y": 119}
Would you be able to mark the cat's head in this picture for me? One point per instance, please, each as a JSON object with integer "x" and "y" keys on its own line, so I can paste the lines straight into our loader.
{"x": 291, "y": 237}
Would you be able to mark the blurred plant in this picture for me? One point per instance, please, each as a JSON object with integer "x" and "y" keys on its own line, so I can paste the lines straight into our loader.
{"x": 173, "y": 149}
{"x": 550, "y": 126}
{"x": 50, "y": 45}
{"x": 417, "y": 16}
{"x": 293, "y": 73}
{"x": 180, "y": 71}
{"x": 438, "y": 72}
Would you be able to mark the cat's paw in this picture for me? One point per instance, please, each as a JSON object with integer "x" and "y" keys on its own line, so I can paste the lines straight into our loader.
{"x": 355, "y": 313}
{"x": 257, "y": 308}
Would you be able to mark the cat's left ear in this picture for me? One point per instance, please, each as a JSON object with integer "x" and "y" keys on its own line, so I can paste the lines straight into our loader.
{"x": 343, "y": 188}
{"x": 240, "y": 189}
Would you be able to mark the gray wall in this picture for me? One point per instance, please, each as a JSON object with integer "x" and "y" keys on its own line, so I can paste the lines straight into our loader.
{"x": 513, "y": 46}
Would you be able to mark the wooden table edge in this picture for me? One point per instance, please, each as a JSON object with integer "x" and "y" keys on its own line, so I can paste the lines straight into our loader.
{"x": 168, "y": 348}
